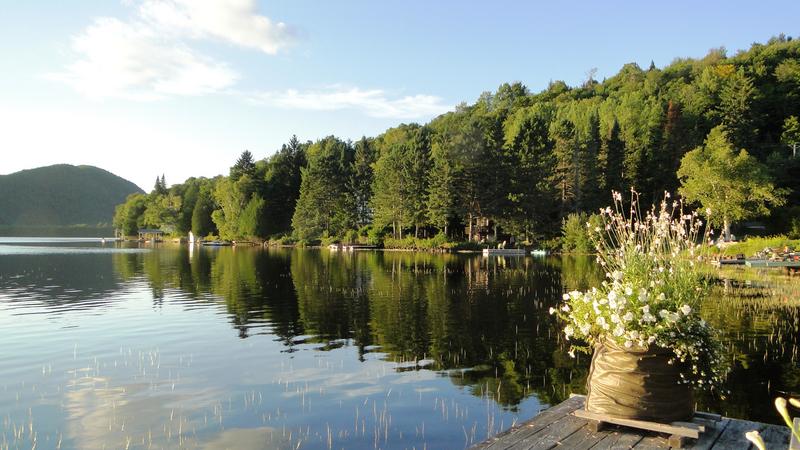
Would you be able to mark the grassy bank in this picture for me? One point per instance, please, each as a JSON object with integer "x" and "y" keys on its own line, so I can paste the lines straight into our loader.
{"x": 754, "y": 245}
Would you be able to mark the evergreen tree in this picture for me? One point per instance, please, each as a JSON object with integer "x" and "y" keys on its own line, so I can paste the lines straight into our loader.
{"x": 322, "y": 207}
{"x": 610, "y": 161}
{"x": 202, "y": 224}
{"x": 529, "y": 157}
{"x": 566, "y": 174}
{"x": 360, "y": 184}
{"x": 736, "y": 109}
{"x": 245, "y": 165}
{"x": 282, "y": 186}
{"x": 441, "y": 198}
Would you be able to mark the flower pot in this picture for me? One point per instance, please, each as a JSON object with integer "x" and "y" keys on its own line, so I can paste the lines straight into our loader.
{"x": 637, "y": 383}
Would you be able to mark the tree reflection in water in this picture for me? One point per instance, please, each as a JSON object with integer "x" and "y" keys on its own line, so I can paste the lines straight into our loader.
{"x": 482, "y": 322}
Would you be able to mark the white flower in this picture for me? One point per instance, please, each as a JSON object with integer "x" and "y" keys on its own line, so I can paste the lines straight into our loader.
{"x": 617, "y": 275}
{"x": 569, "y": 331}
{"x": 571, "y": 353}
{"x": 552, "y": 310}
{"x": 619, "y": 331}
{"x": 565, "y": 297}
{"x": 628, "y": 291}
{"x": 612, "y": 295}
{"x": 565, "y": 308}
{"x": 615, "y": 318}
{"x": 628, "y": 316}
{"x": 686, "y": 309}
{"x": 662, "y": 296}
{"x": 628, "y": 344}
{"x": 755, "y": 438}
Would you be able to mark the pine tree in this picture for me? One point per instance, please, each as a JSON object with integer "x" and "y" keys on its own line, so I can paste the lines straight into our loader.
{"x": 612, "y": 152}
{"x": 360, "y": 184}
{"x": 322, "y": 207}
{"x": 566, "y": 175}
{"x": 245, "y": 165}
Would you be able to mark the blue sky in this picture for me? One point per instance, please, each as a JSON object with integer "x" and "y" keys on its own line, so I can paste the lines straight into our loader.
{"x": 145, "y": 87}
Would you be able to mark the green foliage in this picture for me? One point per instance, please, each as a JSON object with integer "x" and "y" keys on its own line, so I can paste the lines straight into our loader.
{"x": 575, "y": 232}
{"x": 62, "y": 195}
{"x": 729, "y": 185}
{"x": 128, "y": 214}
{"x": 519, "y": 163}
{"x": 245, "y": 166}
{"x": 251, "y": 221}
{"x": 323, "y": 206}
{"x": 753, "y": 245}
{"x": 350, "y": 237}
{"x": 202, "y": 224}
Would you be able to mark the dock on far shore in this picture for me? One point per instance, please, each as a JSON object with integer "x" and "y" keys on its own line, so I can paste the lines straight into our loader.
{"x": 558, "y": 427}
{"x": 504, "y": 252}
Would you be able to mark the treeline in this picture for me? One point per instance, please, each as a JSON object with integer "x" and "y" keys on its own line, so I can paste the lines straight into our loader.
{"x": 514, "y": 163}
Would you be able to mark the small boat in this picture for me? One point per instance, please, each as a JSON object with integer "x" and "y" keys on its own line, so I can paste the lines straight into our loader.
{"x": 539, "y": 252}
{"x": 216, "y": 243}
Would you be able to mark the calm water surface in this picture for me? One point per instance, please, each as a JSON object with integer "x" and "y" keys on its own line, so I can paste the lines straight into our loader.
{"x": 113, "y": 346}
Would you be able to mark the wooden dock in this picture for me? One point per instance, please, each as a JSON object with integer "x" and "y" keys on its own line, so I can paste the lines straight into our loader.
{"x": 504, "y": 252}
{"x": 768, "y": 263}
{"x": 558, "y": 427}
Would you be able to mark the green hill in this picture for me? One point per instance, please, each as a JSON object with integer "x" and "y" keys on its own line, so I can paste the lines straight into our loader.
{"x": 61, "y": 195}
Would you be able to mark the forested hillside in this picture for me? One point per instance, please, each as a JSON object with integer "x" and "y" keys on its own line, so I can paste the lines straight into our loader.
{"x": 518, "y": 163}
{"x": 61, "y": 195}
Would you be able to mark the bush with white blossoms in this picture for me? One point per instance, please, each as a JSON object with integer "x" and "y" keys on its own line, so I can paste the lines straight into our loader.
{"x": 652, "y": 291}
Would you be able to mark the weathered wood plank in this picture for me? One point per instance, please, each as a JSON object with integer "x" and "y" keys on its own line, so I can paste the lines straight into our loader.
{"x": 620, "y": 439}
{"x": 652, "y": 442}
{"x": 507, "y": 438}
{"x": 688, "y": 430}
{"x": 560, "y": 427}
{"x": 713, "y": 431}
{"x": 552, "y": 435}
{"x": 584, "y": 438}
{"x": 733, "y": 436}
{"x": 775, "y": 436}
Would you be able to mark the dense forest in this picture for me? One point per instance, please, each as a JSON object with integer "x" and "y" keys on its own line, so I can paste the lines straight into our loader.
{"x": 722, "y": 131}
{"x": 61, "y": 195}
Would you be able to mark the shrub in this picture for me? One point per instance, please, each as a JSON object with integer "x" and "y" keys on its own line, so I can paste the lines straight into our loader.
{"x": 375, "y": 235}
{"x": 575, "y": 233}
{"x": 350, "y": 237}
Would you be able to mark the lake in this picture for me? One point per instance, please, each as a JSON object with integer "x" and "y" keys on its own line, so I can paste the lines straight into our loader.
{"x": 117, "y": 346}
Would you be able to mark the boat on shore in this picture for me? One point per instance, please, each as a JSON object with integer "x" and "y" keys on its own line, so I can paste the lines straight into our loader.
{"x": 215, "y": 243}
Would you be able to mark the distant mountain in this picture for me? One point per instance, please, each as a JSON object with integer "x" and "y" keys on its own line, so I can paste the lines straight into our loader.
{"x": 61, "y": 195}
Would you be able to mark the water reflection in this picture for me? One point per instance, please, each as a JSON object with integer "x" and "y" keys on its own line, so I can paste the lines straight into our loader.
{"x": 255, "y": 347}
{"x": 483, "y": 321}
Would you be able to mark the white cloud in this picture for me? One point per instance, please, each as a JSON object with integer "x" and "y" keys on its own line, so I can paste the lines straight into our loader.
{"x": 233, "y": 21}
{"x": 120, "y": 59}
{"x": 150, "y": 57}
{"x": 373, "y": 102}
